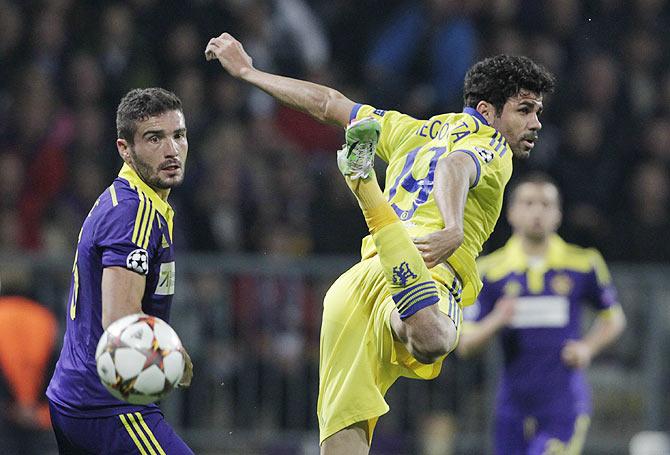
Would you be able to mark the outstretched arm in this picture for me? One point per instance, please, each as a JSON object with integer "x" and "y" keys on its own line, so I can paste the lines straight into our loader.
{"x": 323, "y": 103}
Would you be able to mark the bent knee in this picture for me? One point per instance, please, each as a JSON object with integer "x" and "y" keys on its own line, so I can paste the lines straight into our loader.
{"x": 432, "y": 343}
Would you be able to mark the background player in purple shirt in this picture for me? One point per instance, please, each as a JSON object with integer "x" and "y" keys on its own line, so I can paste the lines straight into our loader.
{"x": 131, "y": 216}
{"x": 534, "y": 289}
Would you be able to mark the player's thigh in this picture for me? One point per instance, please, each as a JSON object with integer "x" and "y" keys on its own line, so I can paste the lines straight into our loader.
{"x": 349, "y": 306}
{"x": 559, "y": 435}
{"x": 508, "y": 435}
{"x": 129, "y": 433}
{"x": 152, "y": 433}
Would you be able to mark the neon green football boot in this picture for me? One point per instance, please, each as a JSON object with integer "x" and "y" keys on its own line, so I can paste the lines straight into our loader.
{"x": 357, "y": 158}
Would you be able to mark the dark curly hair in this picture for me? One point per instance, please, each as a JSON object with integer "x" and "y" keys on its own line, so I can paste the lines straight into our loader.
{"x": 496, "y": 79}
{"x": 139, "y": 104}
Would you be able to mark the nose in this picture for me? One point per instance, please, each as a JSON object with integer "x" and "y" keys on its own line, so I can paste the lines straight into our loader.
{"x": 535, "y": 124}
{"x": 172, "y": 149}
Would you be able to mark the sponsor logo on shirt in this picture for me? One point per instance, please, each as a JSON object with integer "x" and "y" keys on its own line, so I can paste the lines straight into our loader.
{"x": 166, "y": 279}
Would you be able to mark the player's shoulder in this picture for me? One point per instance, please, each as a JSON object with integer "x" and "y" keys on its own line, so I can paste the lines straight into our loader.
{"x": 584, "y": 253}
{"x": 584, "y": 258}
{"x": 119, "y": 200}
{"x": 492, "y": 261}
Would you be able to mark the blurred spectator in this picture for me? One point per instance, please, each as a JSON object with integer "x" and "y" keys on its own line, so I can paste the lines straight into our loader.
{"x": 649, "y": 207}
{"x": 41, "y": 135}
{"x": 27, "y": 347}
{"x": 438, "y": 37}
{"x": 588, "y": 172}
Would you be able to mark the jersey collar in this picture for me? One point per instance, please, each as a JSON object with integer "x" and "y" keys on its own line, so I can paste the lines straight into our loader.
{"x": 553, "y": 256}
{"x": 128, "y": 173}
{"x": 476, "y": 114}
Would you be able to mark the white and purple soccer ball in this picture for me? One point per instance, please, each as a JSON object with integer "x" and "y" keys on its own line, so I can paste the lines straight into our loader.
{"x": 139, "y": 358}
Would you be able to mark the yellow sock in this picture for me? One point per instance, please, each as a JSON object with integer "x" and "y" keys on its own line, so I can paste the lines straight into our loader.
{"x": 377, "y": 211}
{"x": 407, "y": 276}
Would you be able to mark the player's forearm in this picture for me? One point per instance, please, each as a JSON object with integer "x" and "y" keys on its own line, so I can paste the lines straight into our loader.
{"x": 452, "y": 183}
{"x": 605, "y": 330}
{"x": 122, "y": 292}
{"x": 477, "y": 336}
{"x": 323, "y": 103}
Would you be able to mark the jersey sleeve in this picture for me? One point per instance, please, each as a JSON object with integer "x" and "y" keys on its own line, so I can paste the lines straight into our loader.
{"x": 396, "y": 128}
{"x": 487, "y": 148}
{"x": 602, "y": 293}
{"x": 122, "y": 236}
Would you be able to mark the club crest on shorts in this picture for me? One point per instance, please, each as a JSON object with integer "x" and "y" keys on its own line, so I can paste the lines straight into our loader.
{"x": 138, "y": 261}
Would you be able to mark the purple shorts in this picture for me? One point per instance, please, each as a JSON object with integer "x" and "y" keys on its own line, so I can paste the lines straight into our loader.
{"x": 130, "y": 433}
{"x": 545, "y": 434}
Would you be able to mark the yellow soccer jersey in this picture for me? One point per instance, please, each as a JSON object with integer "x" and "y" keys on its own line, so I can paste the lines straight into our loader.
{"x": 412, "y": 149}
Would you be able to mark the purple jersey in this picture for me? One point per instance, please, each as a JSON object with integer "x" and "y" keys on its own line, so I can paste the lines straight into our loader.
{"x": 129, "y": 226}
{"x": 550, "y": 293}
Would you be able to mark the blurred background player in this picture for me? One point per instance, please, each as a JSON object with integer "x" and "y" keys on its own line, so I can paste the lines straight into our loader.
{"x": 389, "y": 316}
{"x": 131, "y": 217}
{"x": 534, "y": 290}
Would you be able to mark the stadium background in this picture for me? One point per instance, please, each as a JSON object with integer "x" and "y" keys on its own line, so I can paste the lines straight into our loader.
{"x": 263, "y": 222}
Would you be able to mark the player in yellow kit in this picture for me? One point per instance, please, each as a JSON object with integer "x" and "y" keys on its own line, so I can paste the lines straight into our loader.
{"x": 398, "y": 311}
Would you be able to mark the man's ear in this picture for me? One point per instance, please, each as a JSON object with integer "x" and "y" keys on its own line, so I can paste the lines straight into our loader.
{"x": 487, "y": 110}
{"x": 124, "y": 149}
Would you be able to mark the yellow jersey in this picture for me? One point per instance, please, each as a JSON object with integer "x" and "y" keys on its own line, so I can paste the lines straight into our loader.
{"x": 412, "y": 149}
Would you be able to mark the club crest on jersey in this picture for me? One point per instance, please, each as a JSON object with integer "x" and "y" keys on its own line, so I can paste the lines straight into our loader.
{"x": 138, "y": 261}
{"x": 402, "y": 273}
{"x": 487, "y": 155}
{"x": 512, "y": 288}
{"x": 561, "y": 284}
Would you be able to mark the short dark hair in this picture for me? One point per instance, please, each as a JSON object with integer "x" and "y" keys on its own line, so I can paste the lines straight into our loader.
{"x": 141, "y": 103}
{"x": 496, "y": 79}
{"x": 535, "y": 177}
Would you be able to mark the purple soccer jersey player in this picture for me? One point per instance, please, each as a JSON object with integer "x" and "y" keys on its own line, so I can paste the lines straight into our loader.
{"x": 124, "y": 264}
{"x": 534, "y": 291}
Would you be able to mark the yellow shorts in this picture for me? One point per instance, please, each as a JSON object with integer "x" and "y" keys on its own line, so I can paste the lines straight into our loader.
{"x": 359, "y": 359}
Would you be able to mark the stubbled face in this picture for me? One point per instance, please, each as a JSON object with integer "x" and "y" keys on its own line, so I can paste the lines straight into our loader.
{"x": 518, "y": 122}
{"x": 535, "y": 212}
{"x": 159, "y": 152}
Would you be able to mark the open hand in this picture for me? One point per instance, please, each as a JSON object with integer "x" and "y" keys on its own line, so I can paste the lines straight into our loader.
{"x": 576, "y": 354}
{"x": 504, "y": 310}
{"x": 188, "y": 370}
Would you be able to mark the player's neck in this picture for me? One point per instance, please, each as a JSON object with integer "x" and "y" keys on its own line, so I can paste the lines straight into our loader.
{"x": 535, "y": 247}
{"x": 162, "y": 193}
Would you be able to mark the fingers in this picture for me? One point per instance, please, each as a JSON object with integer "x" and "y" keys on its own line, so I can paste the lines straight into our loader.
{"x": 217, "y": 43}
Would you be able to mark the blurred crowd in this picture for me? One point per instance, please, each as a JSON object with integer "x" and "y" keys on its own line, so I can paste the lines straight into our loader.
{"x": 262, "y": 178}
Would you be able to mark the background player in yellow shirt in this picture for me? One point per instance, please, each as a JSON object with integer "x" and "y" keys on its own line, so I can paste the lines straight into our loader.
{"x": 398, "y": 311}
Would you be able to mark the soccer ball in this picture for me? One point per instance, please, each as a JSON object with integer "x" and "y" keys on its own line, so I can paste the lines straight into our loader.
{"x": 139, "y": 358}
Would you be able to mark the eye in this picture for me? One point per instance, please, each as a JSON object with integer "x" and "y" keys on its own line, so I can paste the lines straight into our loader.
{"x": 180, "y": 135}
{"x": 154, "y": 139}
